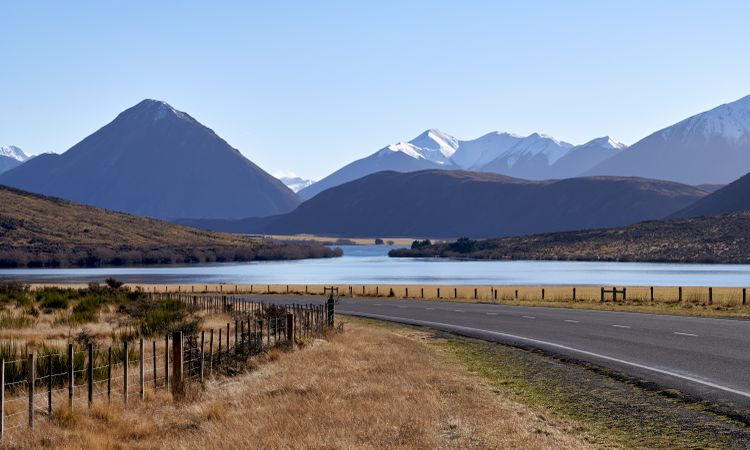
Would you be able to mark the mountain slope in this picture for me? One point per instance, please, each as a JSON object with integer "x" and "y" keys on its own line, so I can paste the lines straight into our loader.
{"x": 442, "y": 204}
{"x": 731, "y": 198}
{"x": 430, "y": 150}
{"x": 583, "y": 157}
{"x": 39, "y": 231}
{"x": 7, "y": 163}
{"x": 531, "y": 157}
{"x": 477, "y": 152}
{"x": 153, "y": 160}
{"x": 711, "y": 147}
{"x": 11, "y": 151}
{"x": 716, "y": 239}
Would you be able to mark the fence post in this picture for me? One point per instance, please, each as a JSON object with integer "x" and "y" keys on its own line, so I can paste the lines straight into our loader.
{"x": 141, "y": 370}
{"x": 109, "y": 374}
{"x": 166, "y": 361}
{"x": 542, "y": 293}
{"x": 90, "y": 372}
{"x": 602, "y": 292}
{"x": 31, "y": 378}
{"x": 652, "y": 294}
{"x": 211, "y": 353}
{"x": 125, "y": 361}
{"x": 202, "y": 355}
{"x": 574, "y": 293}
{"x": 744, "y": 296}
{"x": 153, "y": 354}
{"x": 71, "y": 377}
{"x": 177, "y": 390}
{"x": 218, "y": 356}
{"x": 290, "y": 329}
{"x": 679, "y": 293}
{"x": 710, "y": 296}
{"x": 49, "y": 385}
{"x": 2, "y": 398}
{"x": 624, "y": 294}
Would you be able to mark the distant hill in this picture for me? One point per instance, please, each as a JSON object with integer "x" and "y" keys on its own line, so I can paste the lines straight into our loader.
{"x": 7, "y": 163}
{"x": 445, "y": 204}
{"x": 155, "y": 161}
{"x": 731, "y": 198}
{"x": 715, "y": 239}
{"x": 711, "y": 147}
{"x": 38, "y": 231}
{"x": 11, "y": 157}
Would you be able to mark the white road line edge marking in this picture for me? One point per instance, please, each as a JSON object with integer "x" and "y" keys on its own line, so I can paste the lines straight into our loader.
{"x": 621, "y": 326}
{"x": 429, "y": 309}
{"x": 528, "y": 317}
{"x": 491, "y": 314}
{"x": 685, "y": 334}
{"x": 562, "y": 347}
{"x": 572, "y": 321}
{"x": 459, "y": 310}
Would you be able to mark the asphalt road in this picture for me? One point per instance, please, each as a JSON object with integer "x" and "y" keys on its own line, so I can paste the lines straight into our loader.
{"x": 707, "y": 358}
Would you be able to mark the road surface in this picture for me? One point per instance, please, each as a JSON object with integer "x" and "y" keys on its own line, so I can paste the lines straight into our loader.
{"x": 705, "y": 357}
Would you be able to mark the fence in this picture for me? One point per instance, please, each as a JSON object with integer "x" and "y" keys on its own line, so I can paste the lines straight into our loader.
{"x": 34, "y": 385}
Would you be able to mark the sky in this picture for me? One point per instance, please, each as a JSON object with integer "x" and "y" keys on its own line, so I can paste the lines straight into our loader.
{"x": 307, "y": 87}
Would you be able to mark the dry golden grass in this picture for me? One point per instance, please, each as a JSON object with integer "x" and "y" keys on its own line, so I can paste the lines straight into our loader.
{"x": 367, "y": 388}
{"x": 358, "y": 241}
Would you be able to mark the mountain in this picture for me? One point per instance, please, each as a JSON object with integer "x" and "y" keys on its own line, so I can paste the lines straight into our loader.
{"x": 715, "y": 239}
{"x": 731, "y": 198}
{"x": 583, "y": 157}
{"x": 709, "y": 148}
{"x": 296, "y": 184}
{"x": 153, "y": 160}
{"x": 477, "y": 152}
{"x": 530, "y": 157}
{"x": 430, "y": 150}
{"x": 11, "y": 151}
{"x": 11, "y": 157}
{"x": 452, "y": 203}
{"x": 39, "y": 231}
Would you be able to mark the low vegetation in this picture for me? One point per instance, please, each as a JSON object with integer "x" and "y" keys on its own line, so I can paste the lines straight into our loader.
{"x": 716, "y": 239}
{"x": 39, "y": 231}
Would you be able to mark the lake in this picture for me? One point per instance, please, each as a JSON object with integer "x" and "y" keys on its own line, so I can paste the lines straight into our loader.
{"x": 371, "y": 265}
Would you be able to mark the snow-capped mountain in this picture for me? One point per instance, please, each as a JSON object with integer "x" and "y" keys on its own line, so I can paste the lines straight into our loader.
{"x": 530, "y": 157}
{"x": 583, "y": 157}
{"x": 480, "y": 151}
{"x": 711, "y": 147}
{"x": 11, "y": 151}
{"x": 430, "y": 150}
{"x": 296, "y": 183}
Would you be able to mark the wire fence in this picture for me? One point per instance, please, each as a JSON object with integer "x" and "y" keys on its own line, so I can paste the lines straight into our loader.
{"x": 37, "y": 385}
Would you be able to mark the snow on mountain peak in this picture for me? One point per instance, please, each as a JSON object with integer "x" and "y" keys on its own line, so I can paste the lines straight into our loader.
{"x": 537, "y": 143}
{"x": 605, "y": 142}
{"x": 11, "y": 151}
{"x": 730, "y": 121}
{"x": 432, "y": 145}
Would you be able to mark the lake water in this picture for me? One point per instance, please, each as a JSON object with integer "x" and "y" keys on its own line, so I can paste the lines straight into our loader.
{"x": 371, "y": 265}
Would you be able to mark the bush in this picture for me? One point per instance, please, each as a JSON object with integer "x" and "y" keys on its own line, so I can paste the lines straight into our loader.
{"x": 463, "y": 245}
{"x": 113, "y": 283}
{"x": 420, "y": 244}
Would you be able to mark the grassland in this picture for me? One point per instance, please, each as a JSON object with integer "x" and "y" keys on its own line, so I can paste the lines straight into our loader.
{"x": 715, "y": 239}
{"x": 724, "y": 301}
{"x": 39, "y": 231}
{"x": 330, "y": 240}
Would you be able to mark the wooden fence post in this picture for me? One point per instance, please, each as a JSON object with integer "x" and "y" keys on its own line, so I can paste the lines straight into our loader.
{"x": 542, "y": 293}
{"x": 652, "y": 294}
{"x": 211, "y": 353}
{"x": 141, "y": 370}
{"x": 574, "y": 293}
{"x": 710, "y": 296}
{"x": 49, "y": 385}
{"x": 109, "y": 374}
{"x": 31, "y": 379}
{"x": 202, "y": 355}
{"x": 166, "y": 361}
{"x": 679, "y": 294}
{"x": 71, "y": 376}
{"x": 744, "y": 296}
{"x": 90, "y": 372}
{"x": 602, "y": 292}
{"x": 290, "y": 329}
{"x": 125, "y": 361}
{"x": 153, "y": 354}
{"x": 177, "y": 388}
{"x": 2, "y": 398}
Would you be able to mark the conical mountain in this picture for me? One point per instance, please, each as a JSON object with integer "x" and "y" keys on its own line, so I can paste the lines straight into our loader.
{"x": 156, "y": 161}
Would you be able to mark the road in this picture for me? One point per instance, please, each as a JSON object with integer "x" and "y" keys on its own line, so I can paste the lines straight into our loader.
{"x": 705, "y": 357}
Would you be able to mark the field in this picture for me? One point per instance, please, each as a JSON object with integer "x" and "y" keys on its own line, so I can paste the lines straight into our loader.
{"x": 340, "y": 241}
{"x": 700, "y": 301}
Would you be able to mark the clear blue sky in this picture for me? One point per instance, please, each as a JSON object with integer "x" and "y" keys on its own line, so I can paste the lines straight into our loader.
{"x": 310, "y": 86}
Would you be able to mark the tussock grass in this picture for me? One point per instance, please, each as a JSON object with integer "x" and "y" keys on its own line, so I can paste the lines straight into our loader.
{"x": 366, "y": 388}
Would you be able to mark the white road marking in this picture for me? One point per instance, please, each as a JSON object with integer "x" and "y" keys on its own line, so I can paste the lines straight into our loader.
{"x": 621, "y": 326}
{"x": 538, "y": 342}
{"x": 572, "y": 321}
{"x": 491, "y": 314}
{"x": 685, "y": 334}
{"x": 459, "y": 310}
{"x": 376, "y": 304}
{"x": 403, "y": 306}
{"x": 429, "y": 309}
{"x": 528, "y": 317}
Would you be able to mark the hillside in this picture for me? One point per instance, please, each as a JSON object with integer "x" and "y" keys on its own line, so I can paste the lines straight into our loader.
{"x": 38, "y": 231}
{"x": 452, "y": 203}
{"x": 153, "y": 160}
{"x": 717, "y": 239}
{"x": 731, "y": 198}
